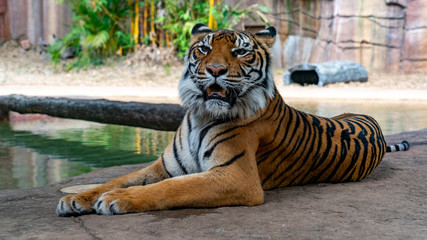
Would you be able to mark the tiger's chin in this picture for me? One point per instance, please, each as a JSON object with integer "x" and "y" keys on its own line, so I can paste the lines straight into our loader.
{"x": 217, "y": 108}
{"x": 228, "y": 109}
{"x": 218, "y": 101}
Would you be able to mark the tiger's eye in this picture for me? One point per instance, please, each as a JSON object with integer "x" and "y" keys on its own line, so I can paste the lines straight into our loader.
{"x": 204, "y": 49}
{"x": 240, "y": 51}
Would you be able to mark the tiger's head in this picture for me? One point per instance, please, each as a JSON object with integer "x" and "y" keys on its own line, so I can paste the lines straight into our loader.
{"x": 227, "y": 74}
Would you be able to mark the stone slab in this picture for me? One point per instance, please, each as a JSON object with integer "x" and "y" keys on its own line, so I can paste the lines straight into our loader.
{"x": 391, "y": 203}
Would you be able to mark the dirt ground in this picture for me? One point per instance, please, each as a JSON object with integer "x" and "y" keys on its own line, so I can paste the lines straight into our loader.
{"x": 20, "y": 67}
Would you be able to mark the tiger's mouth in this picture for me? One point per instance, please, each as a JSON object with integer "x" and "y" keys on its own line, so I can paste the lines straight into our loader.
{"x": 216, "y": 92}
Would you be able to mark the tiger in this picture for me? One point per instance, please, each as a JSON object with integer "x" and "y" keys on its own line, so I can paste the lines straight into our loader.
{"x": 238, "y": 137}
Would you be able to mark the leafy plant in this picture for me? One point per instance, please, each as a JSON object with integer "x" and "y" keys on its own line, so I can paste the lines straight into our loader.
{"x": 101, "y": 28}
{"x": 99, "y": 31}
{"x": 183, "y": 15}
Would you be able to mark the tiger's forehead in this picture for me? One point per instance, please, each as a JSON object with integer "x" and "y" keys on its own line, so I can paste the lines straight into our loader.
{"x": 225, "y": 36}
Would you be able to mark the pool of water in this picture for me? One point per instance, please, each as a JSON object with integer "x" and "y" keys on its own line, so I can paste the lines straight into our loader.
{"x": 393, "y": 116}
{"x": 37, "y": 150}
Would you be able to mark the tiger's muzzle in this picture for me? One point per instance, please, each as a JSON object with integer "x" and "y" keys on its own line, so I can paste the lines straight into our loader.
{"x": 217, "y": 93}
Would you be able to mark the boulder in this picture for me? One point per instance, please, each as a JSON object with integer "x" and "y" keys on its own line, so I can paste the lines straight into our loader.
{"x": 326, "y": 73}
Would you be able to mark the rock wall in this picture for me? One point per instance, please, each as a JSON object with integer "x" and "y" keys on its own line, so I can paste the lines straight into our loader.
{"x": 32, "y": 19}
{"x": 382, "y": 35}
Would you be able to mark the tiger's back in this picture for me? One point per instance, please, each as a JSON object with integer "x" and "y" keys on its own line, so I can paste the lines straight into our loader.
{"x": 302, "y": 148}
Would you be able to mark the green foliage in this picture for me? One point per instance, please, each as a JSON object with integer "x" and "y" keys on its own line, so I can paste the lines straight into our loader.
{"x": 183, "y": 15}
{"x": 102, "y": 27}
{"x": 99, "y": 30}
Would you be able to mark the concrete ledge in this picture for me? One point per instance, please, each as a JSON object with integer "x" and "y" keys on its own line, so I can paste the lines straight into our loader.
{"x": 388, "y": 204}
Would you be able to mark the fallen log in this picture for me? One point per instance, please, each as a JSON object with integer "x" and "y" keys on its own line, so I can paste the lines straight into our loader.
{"x": 166, "y": 117}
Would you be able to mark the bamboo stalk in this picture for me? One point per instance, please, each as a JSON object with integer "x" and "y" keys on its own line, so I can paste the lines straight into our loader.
{"x": 171, "y": 40}
{"x": 145, "y": 19}
{"x": 211, "y": 20}
{"x": 152, "y": 22}
{"x": 167, "y": 39}
{"x": 136, "y": 25}
{"x": 130, "y": 17}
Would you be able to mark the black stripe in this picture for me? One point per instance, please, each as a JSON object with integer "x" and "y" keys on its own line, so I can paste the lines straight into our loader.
{"x": 348, "y": 179}
{"x": 404, "y": 146}
{"x": 317, "y": 125}
{"x": 189, "y": 134}
{"x": 229, "y": 162}
{"x": 310, "y": 152}
{"x": 329, "y": 134}
{"x": 284, "y": 148}
{"x": 278, "y": 103}
{"x": 279, "y": 126}
{"x": 362, "y": 136}
{"x": 352, "y": 164}
{"x": 202, "y": 135}
{"x": 205, "y": 130}
{"x": 302, "y": 139}
{"x": 308, "y": 156}
{"x": 345, "y": 145}
{"x": 372, "y": 125}
{"x": 377, "y": 153}
{"x": 177, "y": 158}
{"x": 327, "y": 167}
{"x": 238, "y": 126}
{"x": 208, "y": 153}
{"x": 293, "y": 180}
{"x": 264, "y": 156}
{"x": 180, "y": 137}
{"x": 164, "y": 166}
{"x": 296, "y": 146}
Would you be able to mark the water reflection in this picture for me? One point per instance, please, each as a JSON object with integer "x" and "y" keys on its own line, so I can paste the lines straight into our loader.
{"x": 38, "y": 152}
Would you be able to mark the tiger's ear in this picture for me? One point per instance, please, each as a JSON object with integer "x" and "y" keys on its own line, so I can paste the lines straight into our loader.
{"x": 267, "y": 36}
{"x": 199, "y": 30}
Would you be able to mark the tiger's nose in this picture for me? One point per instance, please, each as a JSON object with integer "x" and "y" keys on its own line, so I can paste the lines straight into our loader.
{"x": 216, "y": 70}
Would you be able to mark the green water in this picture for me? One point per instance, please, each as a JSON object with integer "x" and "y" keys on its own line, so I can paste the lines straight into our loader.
{"x": 30, "y": 158}
{"x": 40, "y": 151}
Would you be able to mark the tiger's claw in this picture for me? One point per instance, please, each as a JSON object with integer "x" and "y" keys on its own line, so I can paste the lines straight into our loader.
{"x": 72, "y": 206}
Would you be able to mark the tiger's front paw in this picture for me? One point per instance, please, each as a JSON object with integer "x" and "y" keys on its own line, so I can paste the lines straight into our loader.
{"x": 115, "y": 202}
{"x": 73, "y": 205}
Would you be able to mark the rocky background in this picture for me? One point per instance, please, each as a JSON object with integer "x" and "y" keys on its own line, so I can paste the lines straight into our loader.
{"x": 382, "y": 35}
{"x": 385, "y": 36}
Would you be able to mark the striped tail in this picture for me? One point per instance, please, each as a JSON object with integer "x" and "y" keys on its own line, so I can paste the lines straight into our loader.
{"x": 398, "y": 147}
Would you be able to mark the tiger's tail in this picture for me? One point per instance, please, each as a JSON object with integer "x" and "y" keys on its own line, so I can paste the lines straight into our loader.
{"x": 398, "y": 147}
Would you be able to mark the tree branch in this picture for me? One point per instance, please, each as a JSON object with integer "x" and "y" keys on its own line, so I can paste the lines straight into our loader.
{"x": 165, "y": 117}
